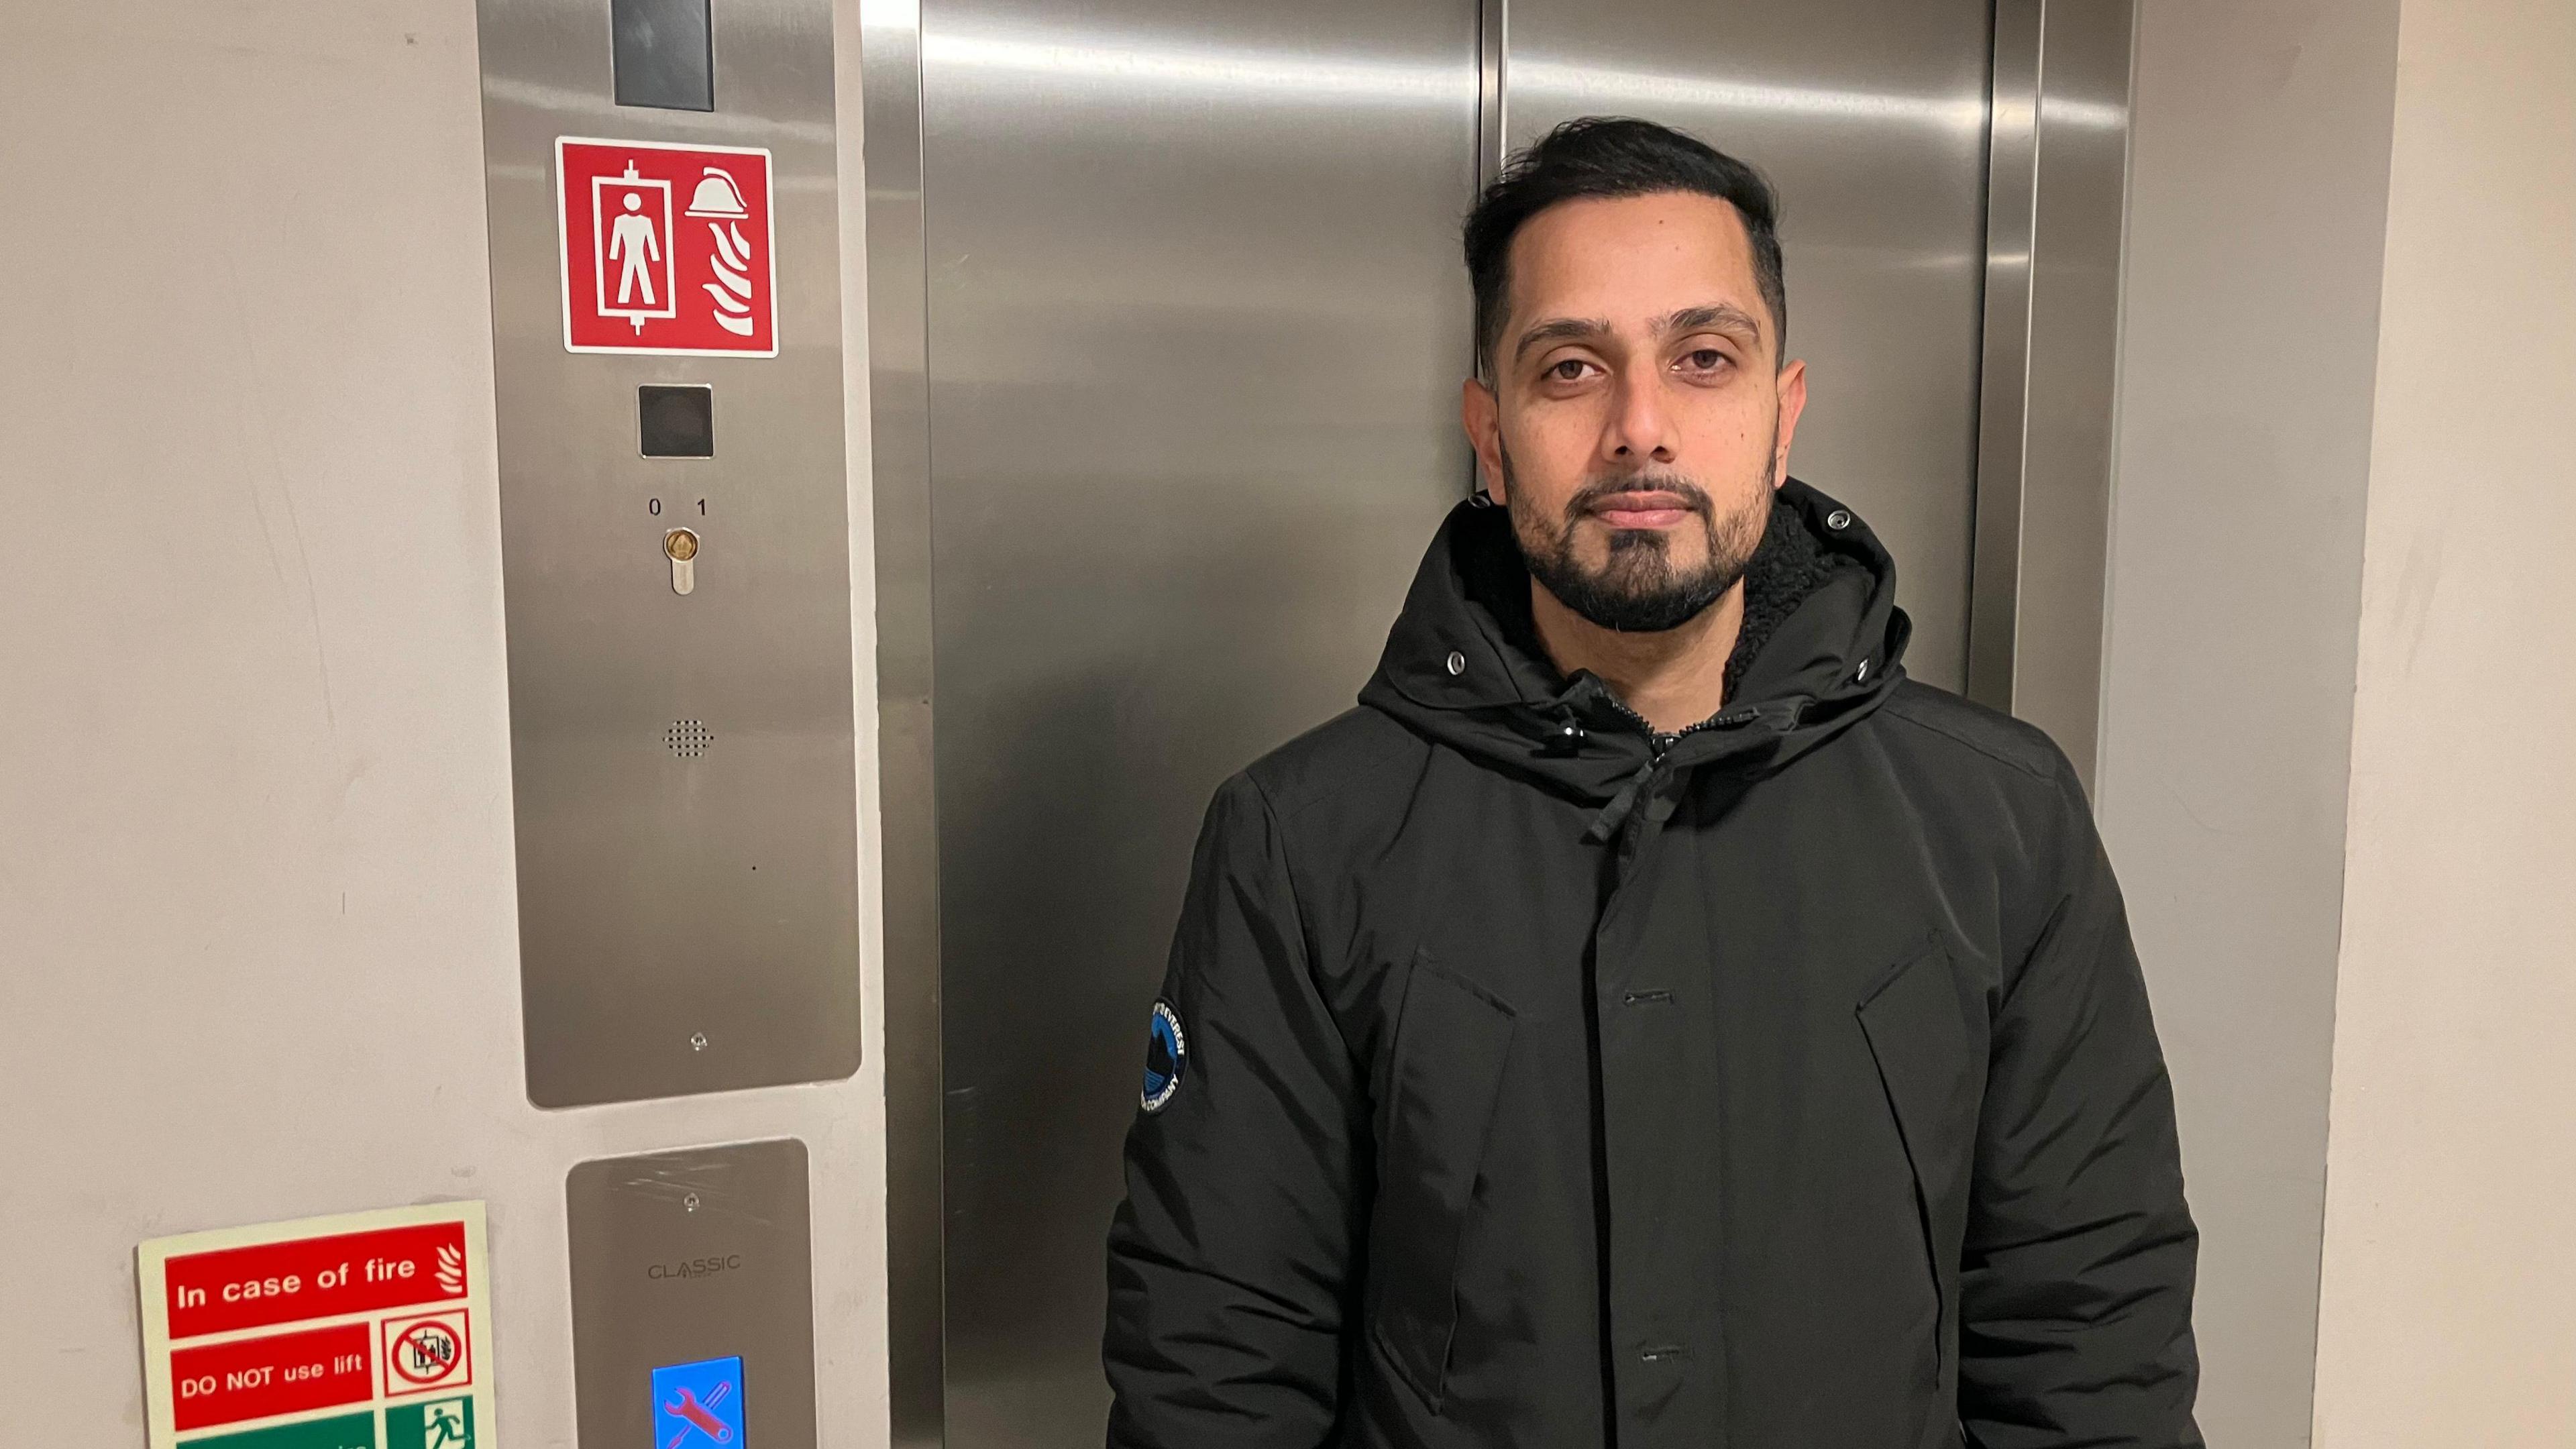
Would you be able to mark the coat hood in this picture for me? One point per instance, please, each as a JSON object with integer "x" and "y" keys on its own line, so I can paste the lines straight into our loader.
{"x": 1823, "y": 643}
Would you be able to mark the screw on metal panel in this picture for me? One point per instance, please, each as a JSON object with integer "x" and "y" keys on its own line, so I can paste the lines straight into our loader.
{"x": 689, "y": 1203}
{"x": 697, "y": 1041}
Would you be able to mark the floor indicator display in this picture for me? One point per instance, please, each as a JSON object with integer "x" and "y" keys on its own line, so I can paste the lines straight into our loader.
{"x": 348, "y": 1332}
{"x": 696, "y": 1405}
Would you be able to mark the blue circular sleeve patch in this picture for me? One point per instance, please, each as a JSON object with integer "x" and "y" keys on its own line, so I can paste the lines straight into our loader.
{"x": 1166, "y": 1052}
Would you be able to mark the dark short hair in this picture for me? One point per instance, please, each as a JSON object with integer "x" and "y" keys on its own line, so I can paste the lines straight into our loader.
{"x": 1613, "y": 156}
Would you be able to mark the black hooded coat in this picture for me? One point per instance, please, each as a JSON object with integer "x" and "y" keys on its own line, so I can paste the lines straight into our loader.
{"x": 1538, "y": 1081}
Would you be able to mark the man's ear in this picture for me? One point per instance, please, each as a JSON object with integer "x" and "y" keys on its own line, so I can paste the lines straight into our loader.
{"x": 1482, "y": 415}
{"x": 1793, "y": 403}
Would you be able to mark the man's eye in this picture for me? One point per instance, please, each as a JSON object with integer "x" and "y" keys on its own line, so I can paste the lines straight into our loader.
{"x": 1570, "y": 370}
{"x": 1706, "y": 359}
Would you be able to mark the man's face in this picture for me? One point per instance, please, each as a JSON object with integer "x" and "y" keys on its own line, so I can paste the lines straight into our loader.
{"x": 1639, "y": 416}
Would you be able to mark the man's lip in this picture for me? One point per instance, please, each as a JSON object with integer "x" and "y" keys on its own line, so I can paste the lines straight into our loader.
{"x": 1641, "y": 510}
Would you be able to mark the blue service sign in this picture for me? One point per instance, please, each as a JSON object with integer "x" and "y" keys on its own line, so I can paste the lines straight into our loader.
{"x": 698, "y": 1405}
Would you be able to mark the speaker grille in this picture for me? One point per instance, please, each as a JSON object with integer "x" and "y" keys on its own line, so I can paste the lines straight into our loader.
{"x": 688, "y": 738}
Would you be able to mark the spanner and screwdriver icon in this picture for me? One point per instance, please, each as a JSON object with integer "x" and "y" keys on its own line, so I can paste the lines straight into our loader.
{"x": 700, "y": 1416}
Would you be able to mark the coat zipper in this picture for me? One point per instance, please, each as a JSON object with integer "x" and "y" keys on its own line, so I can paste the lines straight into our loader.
{"x": 1660, "y": 742}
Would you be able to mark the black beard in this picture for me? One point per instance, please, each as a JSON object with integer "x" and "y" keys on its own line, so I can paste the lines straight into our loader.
{"x": 1637, "y": 591}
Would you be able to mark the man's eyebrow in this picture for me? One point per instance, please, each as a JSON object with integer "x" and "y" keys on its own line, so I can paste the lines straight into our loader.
{"x": 1560, "y": 329}
{"x": 1723, "y": 317}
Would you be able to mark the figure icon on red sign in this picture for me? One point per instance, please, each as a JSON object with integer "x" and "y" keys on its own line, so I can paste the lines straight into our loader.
{"x": 637, "y": 278}
{"x": 634, "y": 245}
{"x": 634, "y": 241}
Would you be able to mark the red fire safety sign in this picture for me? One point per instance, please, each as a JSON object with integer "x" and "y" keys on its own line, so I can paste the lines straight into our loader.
{"x": 666, "y": 248}
{"x": 364, "y": 1331}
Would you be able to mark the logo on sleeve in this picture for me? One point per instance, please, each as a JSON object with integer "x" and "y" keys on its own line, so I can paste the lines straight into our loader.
{"x": 1166, "y": 1049}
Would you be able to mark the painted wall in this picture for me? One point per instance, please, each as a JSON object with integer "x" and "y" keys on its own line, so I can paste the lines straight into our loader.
{"x": 258, "y": 951}
{"x": 2257, "y": 206}
{"x": 2449, "y": 1311}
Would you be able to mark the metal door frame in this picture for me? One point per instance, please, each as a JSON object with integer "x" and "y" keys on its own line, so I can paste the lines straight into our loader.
{"x": 2057, "y": 172}
{"x": 898, "y": 302}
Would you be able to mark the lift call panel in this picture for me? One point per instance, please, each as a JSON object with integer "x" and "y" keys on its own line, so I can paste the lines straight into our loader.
{"x": 662, "y": 186}
{"x": 693, "y": 1298}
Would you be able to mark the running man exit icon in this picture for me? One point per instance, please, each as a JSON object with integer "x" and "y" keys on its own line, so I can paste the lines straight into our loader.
{"x": 666, "y": 248}
{"x": 698, "y": 1405}
{"x": 446, "y": 1424}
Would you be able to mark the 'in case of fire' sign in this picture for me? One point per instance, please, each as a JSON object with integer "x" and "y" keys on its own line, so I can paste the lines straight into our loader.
{"x": 666, "y": 248}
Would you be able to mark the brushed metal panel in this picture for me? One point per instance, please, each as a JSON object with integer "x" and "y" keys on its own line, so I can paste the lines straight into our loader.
{"x": 907, "y": 805}
{"x": 2079, "y": 183}
{"x": 2058, "y": 189}
{"x": 1870, "y": 116}
{"x": 1196, "y": 329}
{"x": 679, "y": 1257}
{"x": 683, "y": 767}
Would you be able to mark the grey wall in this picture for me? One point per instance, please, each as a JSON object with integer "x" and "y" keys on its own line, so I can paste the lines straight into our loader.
{"x": 2257, "y": 210}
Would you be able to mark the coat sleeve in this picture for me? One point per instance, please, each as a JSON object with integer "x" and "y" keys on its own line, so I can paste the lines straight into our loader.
{"x": 1230, "y": 1263}
{"x": 2076, "y": 1283}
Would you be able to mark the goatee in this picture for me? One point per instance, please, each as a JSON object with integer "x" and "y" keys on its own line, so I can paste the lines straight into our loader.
{"x": 1637, "y": 589}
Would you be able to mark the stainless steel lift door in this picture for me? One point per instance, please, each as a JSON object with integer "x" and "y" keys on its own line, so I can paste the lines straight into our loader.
{"x": 1196, "y": 330}
{"x": 1167, "y": 323}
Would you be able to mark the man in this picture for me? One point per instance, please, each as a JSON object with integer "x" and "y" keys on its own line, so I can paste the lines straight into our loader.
{"x": 1650, "y": 1019}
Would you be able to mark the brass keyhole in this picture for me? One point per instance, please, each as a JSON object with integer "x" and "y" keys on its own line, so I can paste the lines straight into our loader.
{"x": 680, "y": 546}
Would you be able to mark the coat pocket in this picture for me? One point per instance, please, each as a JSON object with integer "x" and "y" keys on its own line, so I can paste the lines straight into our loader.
{"x": 1450, "y": 1046}
{"x": 1929, "y": 1041}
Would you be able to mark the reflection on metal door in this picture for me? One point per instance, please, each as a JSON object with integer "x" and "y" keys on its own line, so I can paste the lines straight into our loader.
{"x": 1195, "y": 335}
{"x": 1870, "y": 116}
{"x": 1167, "y": 326}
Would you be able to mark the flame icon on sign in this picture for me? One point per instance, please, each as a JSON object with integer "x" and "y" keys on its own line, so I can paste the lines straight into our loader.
{"x": 733, "y": 271}
{"x": 451, "y": 1269}
{"x": 719, "y": 197}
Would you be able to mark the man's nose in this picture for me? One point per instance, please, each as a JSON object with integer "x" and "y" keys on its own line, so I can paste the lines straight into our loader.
{"x": 1640, "y": 427}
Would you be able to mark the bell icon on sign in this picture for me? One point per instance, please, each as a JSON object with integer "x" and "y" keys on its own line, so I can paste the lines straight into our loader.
{"x": 717, "y": 195}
